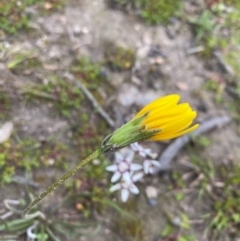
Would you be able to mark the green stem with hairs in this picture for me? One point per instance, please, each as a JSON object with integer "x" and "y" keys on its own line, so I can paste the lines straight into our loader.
{"x": 70, "y": 173}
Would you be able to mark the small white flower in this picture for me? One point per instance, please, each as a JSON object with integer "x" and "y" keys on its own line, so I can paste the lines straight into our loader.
{"x": 150, "y": 165}
{"x": 123, "y": 167}
{"x": 141, "y": 150}
{"x": 126, "y": 187}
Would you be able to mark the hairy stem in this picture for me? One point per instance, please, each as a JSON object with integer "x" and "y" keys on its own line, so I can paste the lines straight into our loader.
{"x": 61, "y": 180}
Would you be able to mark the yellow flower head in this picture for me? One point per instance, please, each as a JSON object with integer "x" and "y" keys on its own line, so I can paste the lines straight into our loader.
{"x": 169, "y": 117}
{"x": 162, "y": 119}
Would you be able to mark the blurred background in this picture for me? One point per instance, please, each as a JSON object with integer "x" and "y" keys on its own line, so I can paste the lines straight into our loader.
{"x": 73, "y": 71}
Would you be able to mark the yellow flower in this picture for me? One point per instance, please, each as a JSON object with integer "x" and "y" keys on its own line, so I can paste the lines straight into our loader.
{"x": 162, "y": 119}
{"x": 169, "y": 117}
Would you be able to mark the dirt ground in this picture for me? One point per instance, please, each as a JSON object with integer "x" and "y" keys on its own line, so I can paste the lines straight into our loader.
{"x": 163, "y": 64}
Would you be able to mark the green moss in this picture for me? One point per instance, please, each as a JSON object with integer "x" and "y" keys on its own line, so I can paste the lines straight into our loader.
{"x": 14, "y": 17}
{"x": 88, "y": 72}
{"x": 89, "y": 135}
{"x": 28, "y": 154}
{"x": 152, "y": 11}
{"x": 218, "y": 28}
{"x": 61, "y": 92}
{"x": 127, "y": 223}
{"x": 225, "y": 217}
{"x": 119, "y": 58}
{"x": 158, "y": 11}
{"x": 91, "y": 189}
{"x": 5, "y": 105}
{"x": 223, "y": 199}
{"x": 23, "y": 61}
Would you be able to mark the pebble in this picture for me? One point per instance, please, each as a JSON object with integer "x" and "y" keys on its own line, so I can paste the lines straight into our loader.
{"x": 6, "y": 131}
{"x": 151, "y": 193}
{"x": 127, "y": 95}
{"x": 77, "y": 30}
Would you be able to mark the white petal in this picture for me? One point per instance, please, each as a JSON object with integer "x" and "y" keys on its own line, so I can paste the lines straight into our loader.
{"x": 146, "y": 165}
{"x": 115, "y": 187}
{"x": 151, "y": 170}
{"x": 135, "y": 167}
{"x": 155, "y": 163}
{"x": 112, "y": 168}
{"x": 133, "y": 189}
{"x": 130, "y": 156}
{"x": 138, "y": 176}
{"x": 148, "y": 151}
{"x": 124, "y": 195}
{"x": 135, "y": 146}
{"x": 142, "y": 153}
{"x": 118, "y": 157}
{"x": 126, "y": 177}
{"x": 115, "y": 176}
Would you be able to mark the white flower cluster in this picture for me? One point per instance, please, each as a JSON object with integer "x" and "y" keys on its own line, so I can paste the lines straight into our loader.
{"x": 128, "y": 173}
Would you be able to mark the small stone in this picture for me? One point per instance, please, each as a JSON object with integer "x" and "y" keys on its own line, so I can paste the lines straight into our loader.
{"x": 146, "y": 97}
{"x": 128, "y": 95}
{"x": 137, "y": 27}
{"x": 135, "y": 80}
{"x": 151, "y": 192}
{"x": 182, "y": 86}
{"x": 85, "y": 30}
{"x": 77, "y": 30}
{"x": 47, "y": 6}
{"x": 6, "y": 131}
{"x": 106, "y": 231}
{"x": 79, "y": 206}
{"x": 176, "y": 221}
{"x": 51, "y": 161}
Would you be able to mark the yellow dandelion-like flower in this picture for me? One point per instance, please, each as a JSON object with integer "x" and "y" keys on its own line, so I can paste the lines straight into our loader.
{"x": 169, "y": 117}
{"x": 162, "y": 119}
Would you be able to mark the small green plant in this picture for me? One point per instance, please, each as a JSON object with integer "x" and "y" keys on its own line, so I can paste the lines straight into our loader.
{"x": 61, "y": 92}
{"x": 28, "y": 154}
{"x": 37, "y": 226}
{"x": 218, "y": 28}
{"x": 14, "y": 17}
{"x": 204, "y": 24}
{"x": 91, "y": 189}
{"x": 120, "y": 58}
{"x": 225, "y": 219}
{"x": 5, "y": 106}
{"x": 23, "y": 61}
{"x": 219, "y": 184}
{"x": 88, "y": 72}
{"x": 9, "y": 157}
{"x": 177, "y": 228}
{"x": 152, "y": 11}
{"x": 216, "y": 87}
{"x": 158, "y": 11}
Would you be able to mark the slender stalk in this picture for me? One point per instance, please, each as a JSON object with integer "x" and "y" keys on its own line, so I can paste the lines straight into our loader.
{"x": 70, "y": 173}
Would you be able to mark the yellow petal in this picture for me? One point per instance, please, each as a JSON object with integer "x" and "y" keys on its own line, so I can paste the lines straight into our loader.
{"x": 169, "y": 117}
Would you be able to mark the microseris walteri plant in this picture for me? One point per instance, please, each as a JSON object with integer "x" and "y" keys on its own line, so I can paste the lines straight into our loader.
{"x": 162, "y": 119}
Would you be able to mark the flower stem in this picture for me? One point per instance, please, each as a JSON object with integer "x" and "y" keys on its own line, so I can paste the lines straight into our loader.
{"x": 70, "y": 173}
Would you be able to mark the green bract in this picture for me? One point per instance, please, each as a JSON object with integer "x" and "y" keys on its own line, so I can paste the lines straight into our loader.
{"x": 132, "y": 131}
